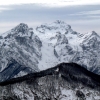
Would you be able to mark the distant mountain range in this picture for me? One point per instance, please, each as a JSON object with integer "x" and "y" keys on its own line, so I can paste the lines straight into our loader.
{"x": 25, "y": 50}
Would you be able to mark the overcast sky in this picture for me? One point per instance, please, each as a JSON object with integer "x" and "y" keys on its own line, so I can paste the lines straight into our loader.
{"x": 82, "y": 15}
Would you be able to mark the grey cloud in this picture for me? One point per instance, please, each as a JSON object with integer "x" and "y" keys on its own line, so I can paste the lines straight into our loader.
{"x": 34, "y": 14}
{"x": 93, "y": 14}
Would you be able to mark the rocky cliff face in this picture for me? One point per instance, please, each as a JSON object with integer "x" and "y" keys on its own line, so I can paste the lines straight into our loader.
{"x": 66, "y": 81}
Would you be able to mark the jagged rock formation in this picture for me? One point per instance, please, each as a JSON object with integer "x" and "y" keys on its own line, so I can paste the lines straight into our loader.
{"x": 66, "y": 81}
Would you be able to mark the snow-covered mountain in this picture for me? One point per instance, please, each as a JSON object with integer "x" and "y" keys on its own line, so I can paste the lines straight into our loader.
{"x": 24, "y": 50}
{"x": 62, "y": 44}
{"x": 20, "y": 50}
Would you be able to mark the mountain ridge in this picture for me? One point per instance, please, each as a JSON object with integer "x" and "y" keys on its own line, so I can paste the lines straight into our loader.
{"x": 66, "y": 81}
{"x": 64, "y": 69}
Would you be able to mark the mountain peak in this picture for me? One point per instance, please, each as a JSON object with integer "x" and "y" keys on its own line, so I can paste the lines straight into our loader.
{"x": 23, "y": 25}
{"x": 54, "y": 27}
{"x": 93, "y": 33}
{"x": 21, "y": 28}
{"x": 59, "y": 22}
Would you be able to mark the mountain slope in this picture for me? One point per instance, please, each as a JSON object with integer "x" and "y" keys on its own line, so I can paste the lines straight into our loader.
{"x": 65, "y": 81}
